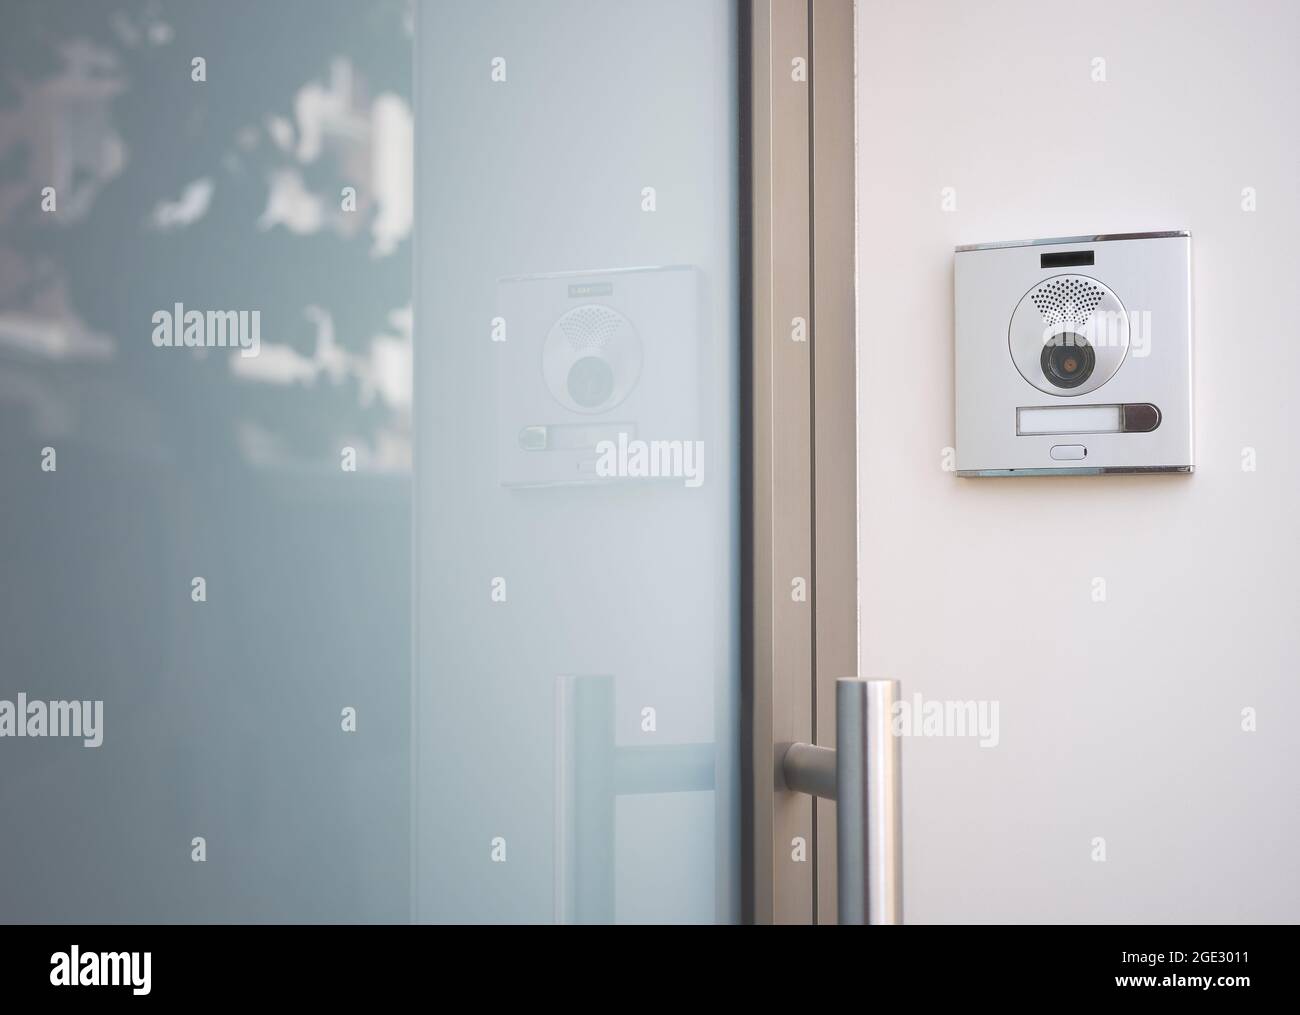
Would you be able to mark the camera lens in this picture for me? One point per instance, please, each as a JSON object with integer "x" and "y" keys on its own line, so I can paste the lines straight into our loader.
{"x": 590, "y": 382}
{"x": 1068, "y": 360}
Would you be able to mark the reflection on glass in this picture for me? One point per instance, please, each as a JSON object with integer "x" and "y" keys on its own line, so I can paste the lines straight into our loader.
{"x": 577, "y": 670}
{"x": 198, "y": 557}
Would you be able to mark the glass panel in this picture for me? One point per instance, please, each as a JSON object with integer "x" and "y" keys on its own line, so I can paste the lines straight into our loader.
{"x": 255, "y": 449}
{"x": 576, "y": 436}
{"x": 193, "y": 556}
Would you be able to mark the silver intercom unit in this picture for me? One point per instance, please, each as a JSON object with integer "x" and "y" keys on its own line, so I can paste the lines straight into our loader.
{"x": 1074, "y": 355}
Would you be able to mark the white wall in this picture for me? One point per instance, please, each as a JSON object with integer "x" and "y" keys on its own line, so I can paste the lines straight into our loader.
{"x": 1119, "y": 719}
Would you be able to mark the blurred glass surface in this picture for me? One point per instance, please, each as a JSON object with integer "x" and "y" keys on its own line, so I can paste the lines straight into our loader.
{"x": 222, "y": 719}
{"x": 577, "y": 279}
{"x": 581, "y": 205}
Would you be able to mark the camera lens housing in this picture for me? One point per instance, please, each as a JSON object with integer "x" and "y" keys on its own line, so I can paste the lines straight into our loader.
{"x": 1068, "y": 360}
{"x": 591, "y": 359}
{"x": 1068, "y": 335}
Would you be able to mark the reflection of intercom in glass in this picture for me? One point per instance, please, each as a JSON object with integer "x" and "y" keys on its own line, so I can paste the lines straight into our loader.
{"x": 1074, "y": 355}
{"x": 588, "y": 357}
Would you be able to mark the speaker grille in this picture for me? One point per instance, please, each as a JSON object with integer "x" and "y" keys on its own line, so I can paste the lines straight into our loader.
{"x": 590, "y": 326}
{"x": 1076, "y": 304}
{"x": 1067, "y": 299}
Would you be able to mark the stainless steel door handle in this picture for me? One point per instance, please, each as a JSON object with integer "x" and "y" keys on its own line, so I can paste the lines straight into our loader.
{"x": 862, "y": 776}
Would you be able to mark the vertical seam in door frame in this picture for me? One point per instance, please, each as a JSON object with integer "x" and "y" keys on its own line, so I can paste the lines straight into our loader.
{"x": 833, "y": 306}
{"x": 812, "y": 428}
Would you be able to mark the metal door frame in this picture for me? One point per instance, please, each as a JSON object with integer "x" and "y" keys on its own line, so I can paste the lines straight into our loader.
{"x": 801, "y": 523}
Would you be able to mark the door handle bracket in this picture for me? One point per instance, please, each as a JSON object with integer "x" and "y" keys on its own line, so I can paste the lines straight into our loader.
{"x": 862, "y": 775}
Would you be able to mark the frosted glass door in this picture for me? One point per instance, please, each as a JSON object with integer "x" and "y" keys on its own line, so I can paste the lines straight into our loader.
{"x": 576, "y": 692}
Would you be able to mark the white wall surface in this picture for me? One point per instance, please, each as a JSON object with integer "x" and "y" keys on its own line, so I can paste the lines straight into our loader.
{"x": 1122, "y": 719}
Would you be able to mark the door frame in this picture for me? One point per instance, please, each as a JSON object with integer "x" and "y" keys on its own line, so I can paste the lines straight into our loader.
{"x": 801, "y": 525}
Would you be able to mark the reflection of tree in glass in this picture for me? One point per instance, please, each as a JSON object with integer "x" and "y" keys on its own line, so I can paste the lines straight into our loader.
{"x": 226, "y": 194}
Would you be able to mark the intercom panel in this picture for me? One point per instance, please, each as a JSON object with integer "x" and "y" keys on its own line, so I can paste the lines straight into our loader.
{"x": 593, "y": 359}
{"x": 1074, "y": 356}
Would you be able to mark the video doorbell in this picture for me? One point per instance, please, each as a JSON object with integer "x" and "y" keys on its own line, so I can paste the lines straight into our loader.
{"x": 1074, "y": 356}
